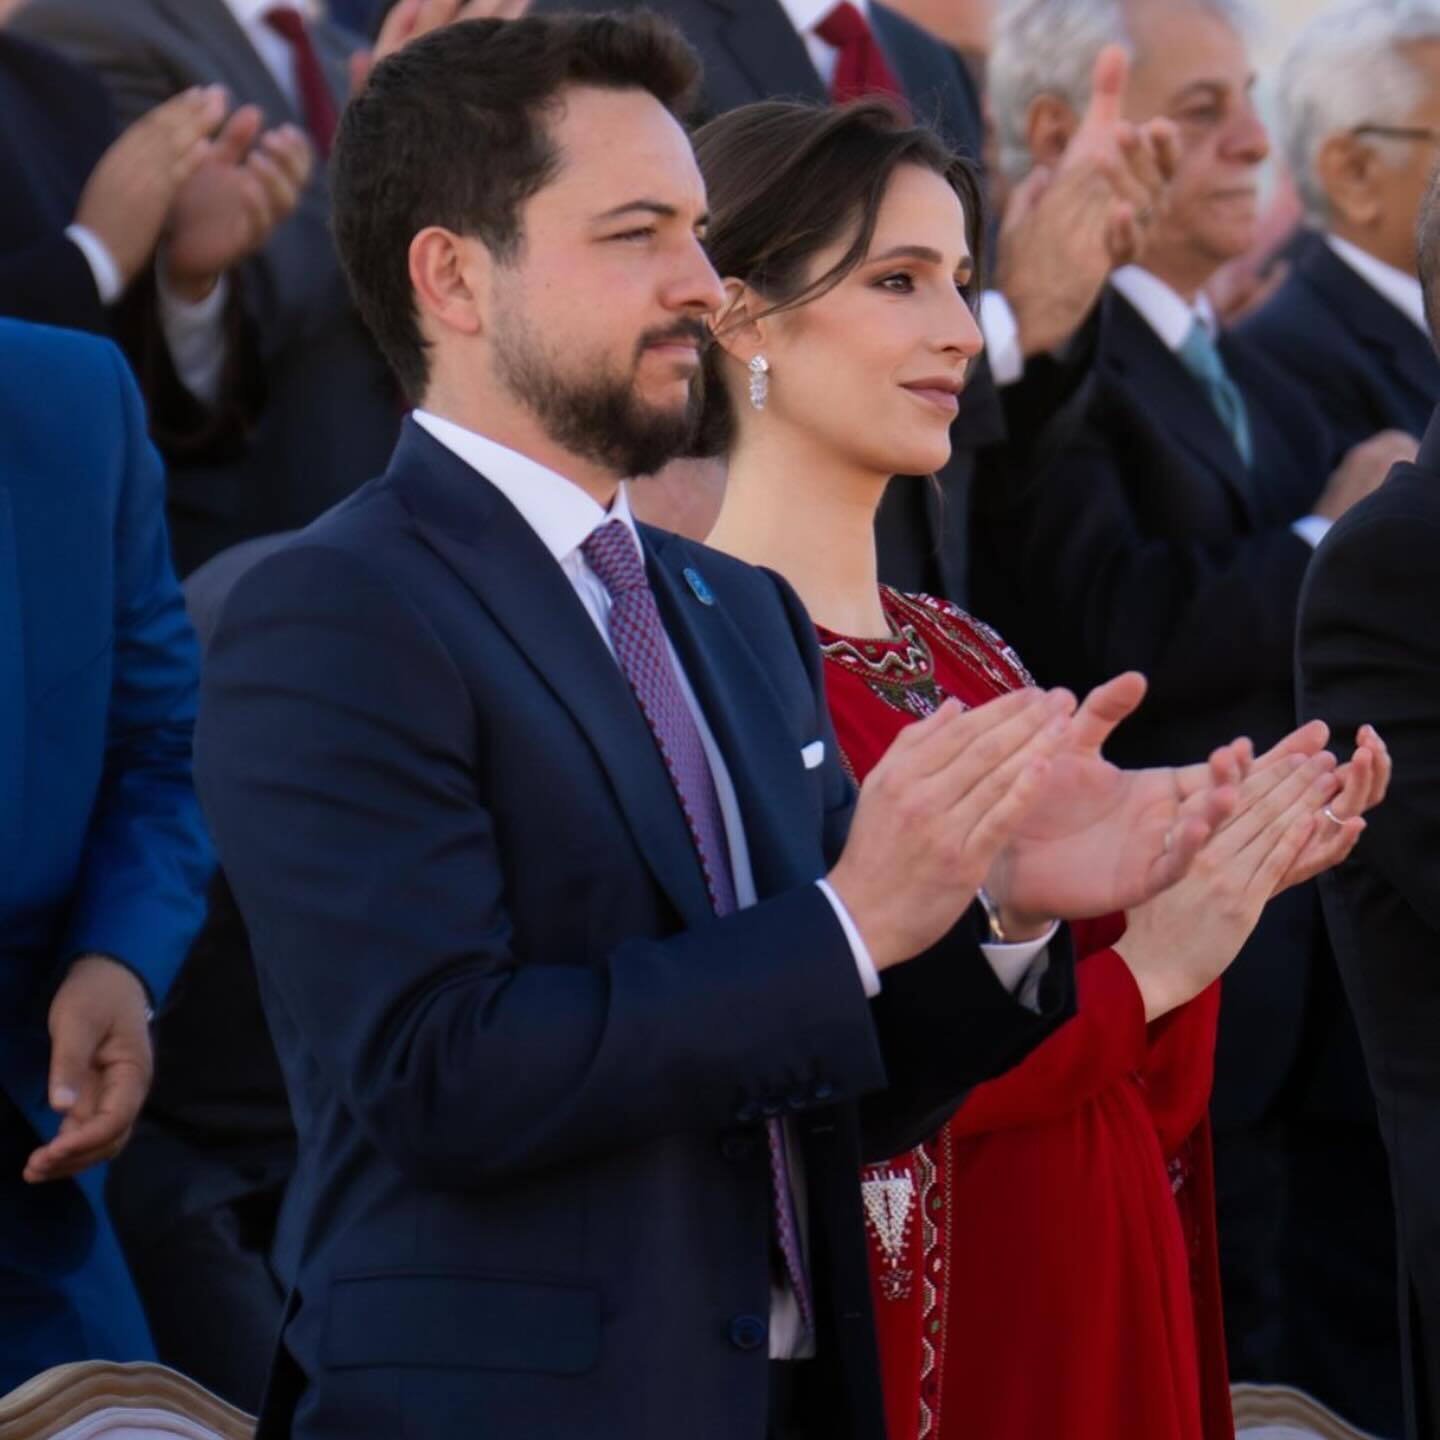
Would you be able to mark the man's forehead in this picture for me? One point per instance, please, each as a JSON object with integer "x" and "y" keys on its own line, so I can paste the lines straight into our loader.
{"x": 617, "y": 146}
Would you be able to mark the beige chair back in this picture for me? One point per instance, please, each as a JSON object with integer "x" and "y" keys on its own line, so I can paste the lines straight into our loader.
{"x": 1276, "y": 1412}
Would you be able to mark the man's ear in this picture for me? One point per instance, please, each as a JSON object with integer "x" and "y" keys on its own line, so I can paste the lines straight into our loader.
{"x": 1050, "y": 125}
{"x": 450, "y": 275}
{"x": 736, "y": 333}
{"x": 1345, "y": 166}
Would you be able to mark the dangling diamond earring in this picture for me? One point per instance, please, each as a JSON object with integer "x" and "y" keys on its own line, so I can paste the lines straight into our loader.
{"x": 759, "y": 382}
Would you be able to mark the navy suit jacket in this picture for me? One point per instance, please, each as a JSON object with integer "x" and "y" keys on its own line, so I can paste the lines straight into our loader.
{"x": 102, "y": 848}
{"x": 1369, "y": 651}
{"x": 1143, "y": 543}
{"x": 527, "y": 1063}
{"x": 1365, "y": 364}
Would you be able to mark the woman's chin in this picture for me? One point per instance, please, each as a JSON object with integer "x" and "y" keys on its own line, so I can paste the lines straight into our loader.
{"x": 918, "y": 460}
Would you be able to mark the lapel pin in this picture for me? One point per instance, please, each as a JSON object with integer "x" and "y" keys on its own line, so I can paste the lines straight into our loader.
{"x": 696, "y": 581}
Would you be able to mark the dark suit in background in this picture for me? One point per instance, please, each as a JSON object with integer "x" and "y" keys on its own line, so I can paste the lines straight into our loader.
{"x": 751, "y": 51}
{"x": 1369, "y": 650}
{"x": 529, "y": 1067}
{"x": 1145, "y": 543}
{"x": 1366, "y": 364}
{"x": 195, "y": 1198}
{"x": 326, "y": 414}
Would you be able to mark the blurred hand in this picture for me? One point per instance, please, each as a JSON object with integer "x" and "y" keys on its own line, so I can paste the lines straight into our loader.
{"x": 1363, "y": 471}
{"x": 244, "y": 188}
{"x": 1099, "y": 839}
{"x": 934, "y": 813}
{"x": 1241, "y": 288}
{"x": 131, "y": 190}
{"x": 407, "y": 20}
{"x": 1179, "y": 943}
{"x": 100, "y": 1067}
{"x": 1066, "y": 229}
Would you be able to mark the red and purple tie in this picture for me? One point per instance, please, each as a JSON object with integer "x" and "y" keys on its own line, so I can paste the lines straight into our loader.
{"x": 638, "y": 636}
{"x": 861, "y": 67}
{"x": 322, "y": 115}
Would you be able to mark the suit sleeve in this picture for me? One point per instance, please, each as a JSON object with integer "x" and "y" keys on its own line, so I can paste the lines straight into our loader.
{"x": 1369, "y": 652}
{"x": 336, "y": 760}
{"x": 51, "y": 284}
{"x": 140, "y": 894}
{"x": 945, "y": 1022}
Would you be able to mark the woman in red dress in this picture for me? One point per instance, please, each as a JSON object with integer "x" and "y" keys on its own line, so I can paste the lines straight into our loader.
{"x": 1045, "y": 1265}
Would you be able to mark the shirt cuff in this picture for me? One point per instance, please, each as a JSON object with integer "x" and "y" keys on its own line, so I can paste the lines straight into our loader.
{"x": 194, "y": 336}
{"x": 1312, "y": 529}
{"x": 109, "y": 283}
{"x": 1002, "y": 338}
{"x": 869, "y": 975}
{"x": 1020, "y": 967}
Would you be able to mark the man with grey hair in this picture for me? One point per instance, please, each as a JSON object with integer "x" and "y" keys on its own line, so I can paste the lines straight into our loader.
{"x": 1171, "y": 535}
{"x": 1359, "y": 97}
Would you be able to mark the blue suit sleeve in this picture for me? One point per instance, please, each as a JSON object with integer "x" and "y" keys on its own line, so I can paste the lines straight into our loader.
{"x": 141, "y": 888}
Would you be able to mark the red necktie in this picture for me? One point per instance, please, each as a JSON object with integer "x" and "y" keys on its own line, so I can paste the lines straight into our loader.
{"x": 321, "y": 113}
{"x": 861, "y": 67}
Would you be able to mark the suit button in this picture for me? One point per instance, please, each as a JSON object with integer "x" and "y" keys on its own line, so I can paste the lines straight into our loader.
{"x": 748, "y": 1332}
{"x": 823, "y": 1091}
{"x": 748, "y": 1113}
{"x": 797, "y": 1101}
{"x": 737, "y": 1147}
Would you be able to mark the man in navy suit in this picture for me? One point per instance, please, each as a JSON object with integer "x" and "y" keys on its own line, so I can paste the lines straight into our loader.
{"x": 591, "y": 982}
{"x": 103, "y": 856}
{"x": 1170, "y": 532}
{"x": 1349, "y": 321}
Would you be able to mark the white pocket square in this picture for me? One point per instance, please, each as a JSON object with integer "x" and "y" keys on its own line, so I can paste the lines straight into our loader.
{"x": 813, "y": 754}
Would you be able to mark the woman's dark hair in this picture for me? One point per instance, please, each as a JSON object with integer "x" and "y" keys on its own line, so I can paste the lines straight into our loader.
{"x": 787, "y": 180}
{"x": 453, "y": 131}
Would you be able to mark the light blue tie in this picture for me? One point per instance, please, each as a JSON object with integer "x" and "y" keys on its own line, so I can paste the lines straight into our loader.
{"x": 1201, "y": 357}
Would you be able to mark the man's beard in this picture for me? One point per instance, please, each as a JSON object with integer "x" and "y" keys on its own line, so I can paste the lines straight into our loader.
{"x": 600, "y": 418}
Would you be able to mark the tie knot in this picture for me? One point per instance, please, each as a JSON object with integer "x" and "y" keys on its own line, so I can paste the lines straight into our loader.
{"x": 611, "y": 552}
{"x": 843, "y": 26}
{"x": 1201, "y": 355}
{"x": 287, "y": 21}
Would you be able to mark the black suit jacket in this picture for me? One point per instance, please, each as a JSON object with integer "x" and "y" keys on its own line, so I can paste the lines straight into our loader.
{"x": 528, "y": 1065}
{"x": 1140, "y": 542}
{"x": 1366, "y": 365}
{"x": 1369, "y": 650}
{"x": 322, "y": 410}
{"x": 751, "y": 52}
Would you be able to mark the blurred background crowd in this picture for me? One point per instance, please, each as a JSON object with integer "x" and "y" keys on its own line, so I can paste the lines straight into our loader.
{"x": 1170, "y": 417}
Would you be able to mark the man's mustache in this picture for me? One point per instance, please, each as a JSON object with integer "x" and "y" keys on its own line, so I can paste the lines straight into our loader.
{"x": 691, "y": 332}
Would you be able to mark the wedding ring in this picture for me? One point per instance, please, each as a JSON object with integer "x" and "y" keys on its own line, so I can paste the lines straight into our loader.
{"x": 1332, "y": 817}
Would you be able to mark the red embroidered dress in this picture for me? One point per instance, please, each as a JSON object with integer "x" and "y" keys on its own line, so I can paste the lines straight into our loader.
{"x": 1046, "y": 1265}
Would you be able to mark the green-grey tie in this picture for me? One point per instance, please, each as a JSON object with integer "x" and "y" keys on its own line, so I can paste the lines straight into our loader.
{"x": 1201, "y": 357}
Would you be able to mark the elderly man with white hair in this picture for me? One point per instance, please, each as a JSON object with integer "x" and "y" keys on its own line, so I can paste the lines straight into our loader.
{"x": 1170, "y": 534}
{"x": 1359, "y": 98}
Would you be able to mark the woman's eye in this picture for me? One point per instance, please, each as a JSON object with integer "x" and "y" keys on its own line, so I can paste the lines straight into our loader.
{"x": 900, "y": 284}
{"x": 644, "y": 233}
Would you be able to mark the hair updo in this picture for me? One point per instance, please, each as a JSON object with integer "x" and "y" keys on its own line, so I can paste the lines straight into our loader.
{"x": 787, "y": 180}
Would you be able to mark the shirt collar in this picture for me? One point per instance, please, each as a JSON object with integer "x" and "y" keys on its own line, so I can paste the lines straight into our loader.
{"x": 1167, "y": 313}
{"x": 556, "y": 509}
{"x": 805, "y": 15}
{"x": 1403, "y": 291}
{"x": 248, "y": 12}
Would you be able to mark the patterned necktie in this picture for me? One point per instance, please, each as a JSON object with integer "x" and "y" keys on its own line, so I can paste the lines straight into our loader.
{"x": 861, "y": 67}
{"x": 1201, "y": 357}
{"x": 638, "y": 636}
{"x": 322, "y": 116}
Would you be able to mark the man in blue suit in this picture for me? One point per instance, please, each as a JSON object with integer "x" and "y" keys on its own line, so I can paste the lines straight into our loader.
{"x": 591, "y": 981}
{"x": 103, "y": 855}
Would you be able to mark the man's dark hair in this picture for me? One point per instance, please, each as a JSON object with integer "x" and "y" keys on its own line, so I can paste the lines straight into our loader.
{"x": 786, "y": 180}
{"x": 453, "y": 131}
{"x": 1428, "y": 245}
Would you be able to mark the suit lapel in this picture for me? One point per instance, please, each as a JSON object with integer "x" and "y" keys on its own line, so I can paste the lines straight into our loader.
{"x": 743, "y": 711}
{"x": 212, "y": 25}
{"x": 766, "y": 46}
{"x": 12, "y": 689}
{"x": 481, "y": 536}
{"x": 1171, "y": 394}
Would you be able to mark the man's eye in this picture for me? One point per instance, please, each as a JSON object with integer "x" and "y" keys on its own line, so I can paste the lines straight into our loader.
{"x": 898, "y": 284}
{"x": 1202, "y": 115}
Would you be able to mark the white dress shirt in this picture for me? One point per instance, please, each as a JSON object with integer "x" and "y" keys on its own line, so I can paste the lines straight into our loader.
{"x": 564, "y": 516}
{"x": 1403, "y": 291}
{"x": 1171, "y": 317}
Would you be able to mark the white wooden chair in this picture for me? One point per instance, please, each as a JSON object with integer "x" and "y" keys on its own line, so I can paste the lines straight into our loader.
{"x": 99, "y": 1400}
{"x": 1275, "y": 1412}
